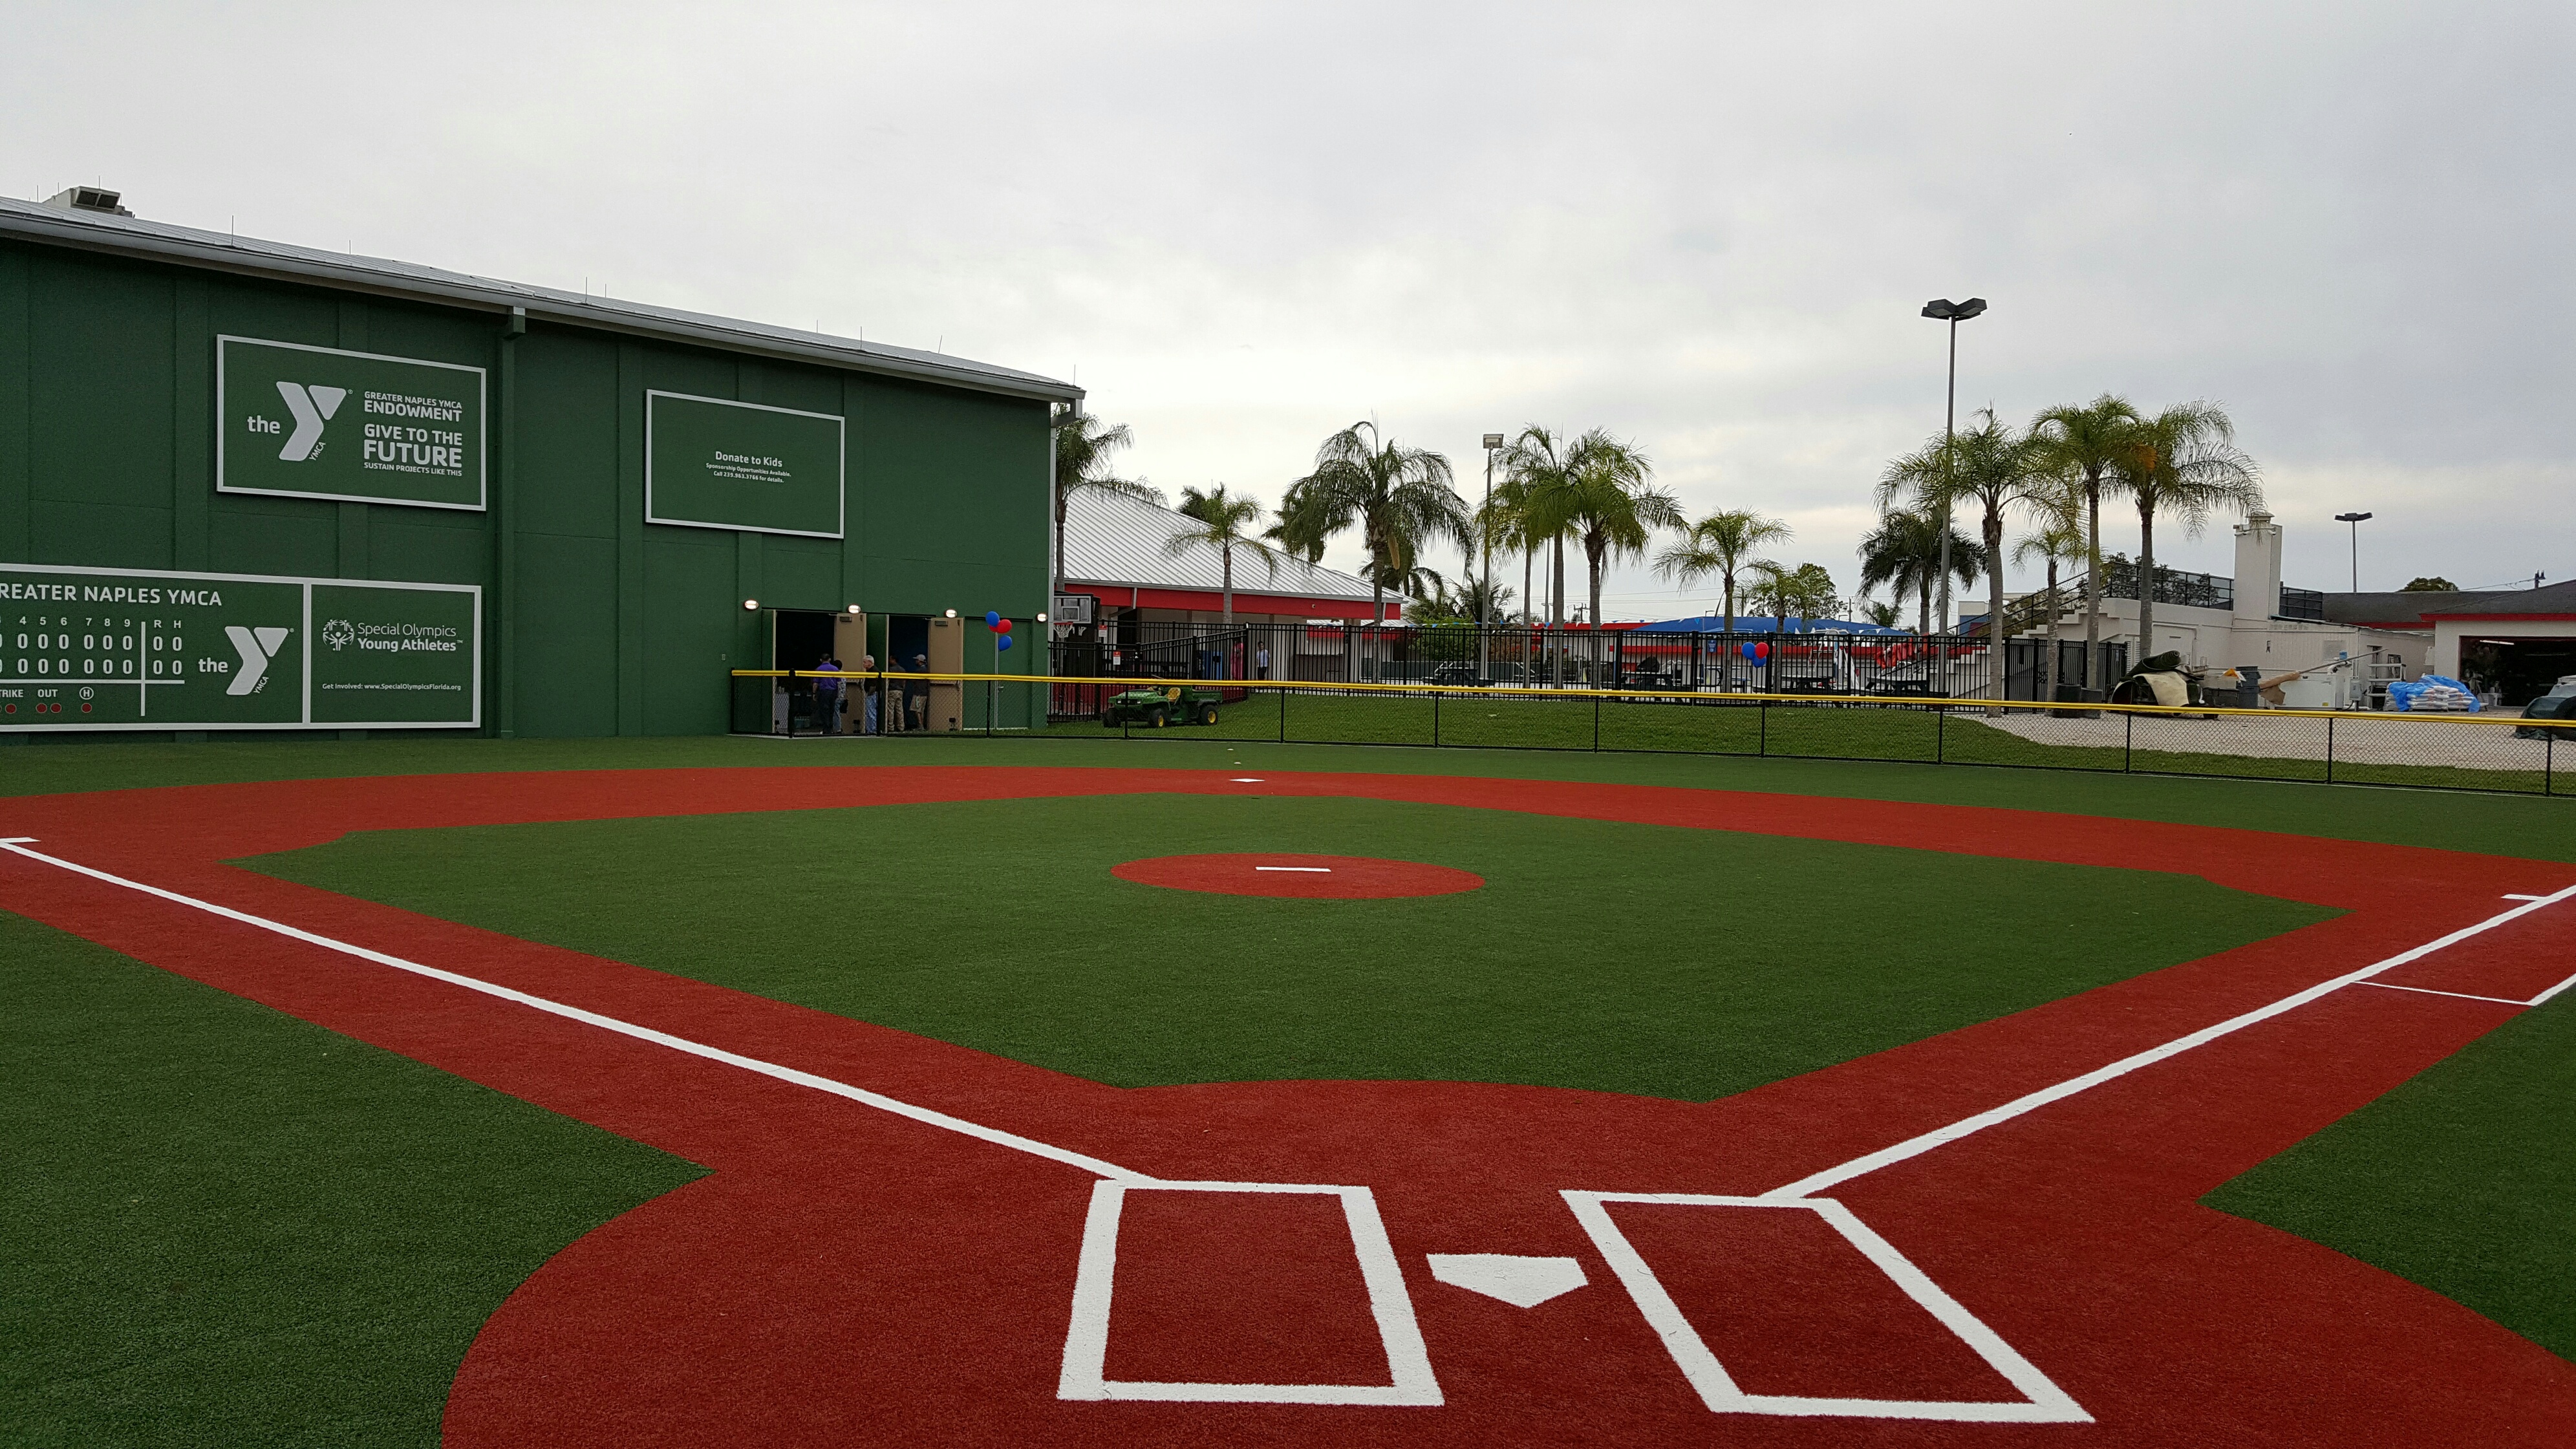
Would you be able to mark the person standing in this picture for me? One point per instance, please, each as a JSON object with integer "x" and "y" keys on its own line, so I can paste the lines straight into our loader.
{"x": 1261, "y": 660}
{"x": 868, "y": 694}
{"x": 916, "y": 695}
{"x": 827, "y": 698}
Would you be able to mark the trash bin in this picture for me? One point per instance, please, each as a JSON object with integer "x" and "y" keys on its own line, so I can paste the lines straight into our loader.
{"x": 2075, "y": 694}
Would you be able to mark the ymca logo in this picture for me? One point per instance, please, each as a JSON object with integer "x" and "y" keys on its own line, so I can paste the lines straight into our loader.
{"x": 312, "y": 404}
{"x": 255, "y": 646}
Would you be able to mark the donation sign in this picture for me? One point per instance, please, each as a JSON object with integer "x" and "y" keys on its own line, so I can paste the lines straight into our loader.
{"x": 130, "y": 649}
{"x": 712, "y": 463}
{"x": 316, "y": 422}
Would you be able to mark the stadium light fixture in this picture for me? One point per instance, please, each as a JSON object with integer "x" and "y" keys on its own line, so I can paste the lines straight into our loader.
{"x": 2355, "y": 519}
{"x": 1942, "y": 309}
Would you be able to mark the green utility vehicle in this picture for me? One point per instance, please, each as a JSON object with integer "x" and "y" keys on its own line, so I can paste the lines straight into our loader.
{"x": 1164, "y": 705}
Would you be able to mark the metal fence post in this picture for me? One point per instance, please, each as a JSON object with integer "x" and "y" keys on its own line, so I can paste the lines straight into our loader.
{"x": 1283, "y": 716}
{"x": 1596, "y": 722}
{"x": 2128, "y": 739}
{"x": 1761, "y": 727}
{"x": 1435, "y": 719}
{"x": 2330, "y": 724}
{"x": 1940, "y": 734}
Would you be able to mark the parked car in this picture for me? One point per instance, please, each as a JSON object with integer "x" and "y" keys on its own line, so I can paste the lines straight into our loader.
{"x": 2558, "y": 704}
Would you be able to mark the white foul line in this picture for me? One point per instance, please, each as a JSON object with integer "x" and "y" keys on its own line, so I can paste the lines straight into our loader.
{"x": 789, "y": 1075}
{"x": 1389, "y": 1303}
{"x": 1309, "y": 869}
{"x": 1965, "y": 1126}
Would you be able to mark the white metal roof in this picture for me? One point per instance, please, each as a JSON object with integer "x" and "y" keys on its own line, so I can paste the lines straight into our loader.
{"x": 135, "y": 237}
{"x": 1114, "y": 541}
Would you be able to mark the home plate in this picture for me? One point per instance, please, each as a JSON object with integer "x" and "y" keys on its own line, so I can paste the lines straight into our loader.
{"x": 1519, "y": 1281}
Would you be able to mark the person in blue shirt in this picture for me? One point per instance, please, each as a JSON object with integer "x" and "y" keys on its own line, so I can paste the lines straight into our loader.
{"x": 827, "y": 699}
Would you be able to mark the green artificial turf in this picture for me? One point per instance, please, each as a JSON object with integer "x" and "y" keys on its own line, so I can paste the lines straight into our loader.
{"x": 1633, "y": 958}
{"x": 221, "y": 1225}
{"x": 2463, "y": 1180}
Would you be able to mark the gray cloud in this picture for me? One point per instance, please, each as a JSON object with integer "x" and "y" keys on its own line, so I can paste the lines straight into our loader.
{"x": 1705, "y": 227}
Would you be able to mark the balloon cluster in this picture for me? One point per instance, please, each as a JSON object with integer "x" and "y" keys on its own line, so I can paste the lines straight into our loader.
{"x": 1001, "y": 628}
{"x": 1757, "y": 651}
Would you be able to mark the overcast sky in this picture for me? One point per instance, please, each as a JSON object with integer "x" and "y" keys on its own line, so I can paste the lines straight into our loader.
{"x": 1708, "y": 228}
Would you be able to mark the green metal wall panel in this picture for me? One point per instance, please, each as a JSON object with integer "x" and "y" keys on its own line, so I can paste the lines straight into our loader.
{"x": 689, "y": 615}
{"x": 607, "y": 624}
{"x": 567, "y": 631}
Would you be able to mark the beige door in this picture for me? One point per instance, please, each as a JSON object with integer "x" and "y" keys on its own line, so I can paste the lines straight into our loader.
{"x": 947, "y": 656}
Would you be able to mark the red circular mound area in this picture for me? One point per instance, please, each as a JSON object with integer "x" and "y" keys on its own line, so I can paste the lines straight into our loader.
{"x": 1305, "y": 877}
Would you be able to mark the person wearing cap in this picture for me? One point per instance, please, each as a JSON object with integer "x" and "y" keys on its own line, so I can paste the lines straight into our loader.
{"x": 916, "y": 695}
{"x": 868, "y": 694}
{"x": 827, "y": 698}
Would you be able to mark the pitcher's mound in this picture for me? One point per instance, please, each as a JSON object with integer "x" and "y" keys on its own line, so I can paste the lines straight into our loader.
{"x": 1306, "y": 877}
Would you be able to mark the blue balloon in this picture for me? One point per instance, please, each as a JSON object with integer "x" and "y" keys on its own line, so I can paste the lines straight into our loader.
{"x": 992, "y": 620}
{"x": 1003, "y": 643}
{"x": 1748, "y": 651}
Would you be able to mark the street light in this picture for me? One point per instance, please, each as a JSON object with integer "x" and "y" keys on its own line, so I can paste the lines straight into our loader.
{"x": 1485, "y": 528}
{"x": 1942, "y": 309}
{"x": 2355, "y": 519}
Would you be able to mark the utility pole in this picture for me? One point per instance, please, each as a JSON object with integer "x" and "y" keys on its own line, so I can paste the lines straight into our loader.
{"x": 1954, "y": 313}
{"x": 1485, "y": 591}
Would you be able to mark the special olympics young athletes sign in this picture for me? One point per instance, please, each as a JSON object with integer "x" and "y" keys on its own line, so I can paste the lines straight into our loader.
{"x": 317, "y": 422}
{"x": 710, "y": 462}
{"x": 139, "y": 649}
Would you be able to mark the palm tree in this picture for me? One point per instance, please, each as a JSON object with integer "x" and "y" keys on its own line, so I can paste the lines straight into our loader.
{"x": 1774, "y": 591}
{"x": 1539, "y": 468}
{"x": 1882, "y": 612}
{"x": 2183, "y": 461}
{"x": 2085, "y": 443}
{"x": 1720, "y": 544}
{"x": 1082, "y": 450}
{"x": 1990, "y": 467}
{"x": 1400, "y": 498}
{"x": 1223, "y": 521}
{"x": 2058, "y": 534}
{"x": 1904, "y": 553}
{"x": 1609, "y": 506}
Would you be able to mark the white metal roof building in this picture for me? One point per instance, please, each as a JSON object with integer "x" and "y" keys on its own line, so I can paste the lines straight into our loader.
{"x": 1117, "y": 549}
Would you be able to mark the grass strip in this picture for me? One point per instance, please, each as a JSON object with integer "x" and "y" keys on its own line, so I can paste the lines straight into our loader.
{"x": 225, "y": 1226}
{"x": 1611, "y": 956}
{"x": 2462, "y": 1180}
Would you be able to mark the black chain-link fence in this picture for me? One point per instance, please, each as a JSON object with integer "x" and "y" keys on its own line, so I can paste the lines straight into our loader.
{"x": 2488, "y": 752}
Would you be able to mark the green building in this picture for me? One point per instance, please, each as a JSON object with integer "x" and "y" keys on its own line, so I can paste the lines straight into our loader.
{"x": 219, "y": 457}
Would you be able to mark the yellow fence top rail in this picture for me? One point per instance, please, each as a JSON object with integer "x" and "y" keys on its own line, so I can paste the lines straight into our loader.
{"x": 1526, "y": 692}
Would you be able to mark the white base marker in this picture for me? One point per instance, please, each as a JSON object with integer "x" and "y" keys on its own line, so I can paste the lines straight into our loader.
{"x": 1522, "y": 1282}
{"x": 1301, "y": 869}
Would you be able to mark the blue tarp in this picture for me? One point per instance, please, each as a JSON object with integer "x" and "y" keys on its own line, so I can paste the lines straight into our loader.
{"x": 1749, "y": 624}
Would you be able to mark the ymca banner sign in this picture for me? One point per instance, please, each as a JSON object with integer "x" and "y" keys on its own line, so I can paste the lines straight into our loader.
{"x": 136, "y": 649}
{"x": 317, "y": 422}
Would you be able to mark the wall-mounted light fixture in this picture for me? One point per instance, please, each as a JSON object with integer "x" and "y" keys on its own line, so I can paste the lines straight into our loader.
{"x": 751, "y": 603}
{"x": 1041, "y": 618}
{"x": 952, "y": 613}
{"x": 854, "y": 608}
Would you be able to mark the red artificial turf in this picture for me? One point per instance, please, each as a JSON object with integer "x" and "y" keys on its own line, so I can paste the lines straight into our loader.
{"x": 849, "y": 1273}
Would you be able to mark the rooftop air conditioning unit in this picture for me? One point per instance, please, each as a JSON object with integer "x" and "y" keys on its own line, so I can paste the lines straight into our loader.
{"x": 89, "y": 198}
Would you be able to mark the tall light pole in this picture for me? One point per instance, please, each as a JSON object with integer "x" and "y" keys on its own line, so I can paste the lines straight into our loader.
{"x": 2355, "y": 519}
{"x": 1944, "y": 310}
{"x": 1485, "y": 589}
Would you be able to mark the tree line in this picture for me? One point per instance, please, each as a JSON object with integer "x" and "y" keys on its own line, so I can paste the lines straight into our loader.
{"x": 1595, "y": 492}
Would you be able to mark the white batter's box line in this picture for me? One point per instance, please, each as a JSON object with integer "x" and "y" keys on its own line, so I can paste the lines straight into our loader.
{"x": 1086, "y": 1339}
{"x": 2043, "y": 1402}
